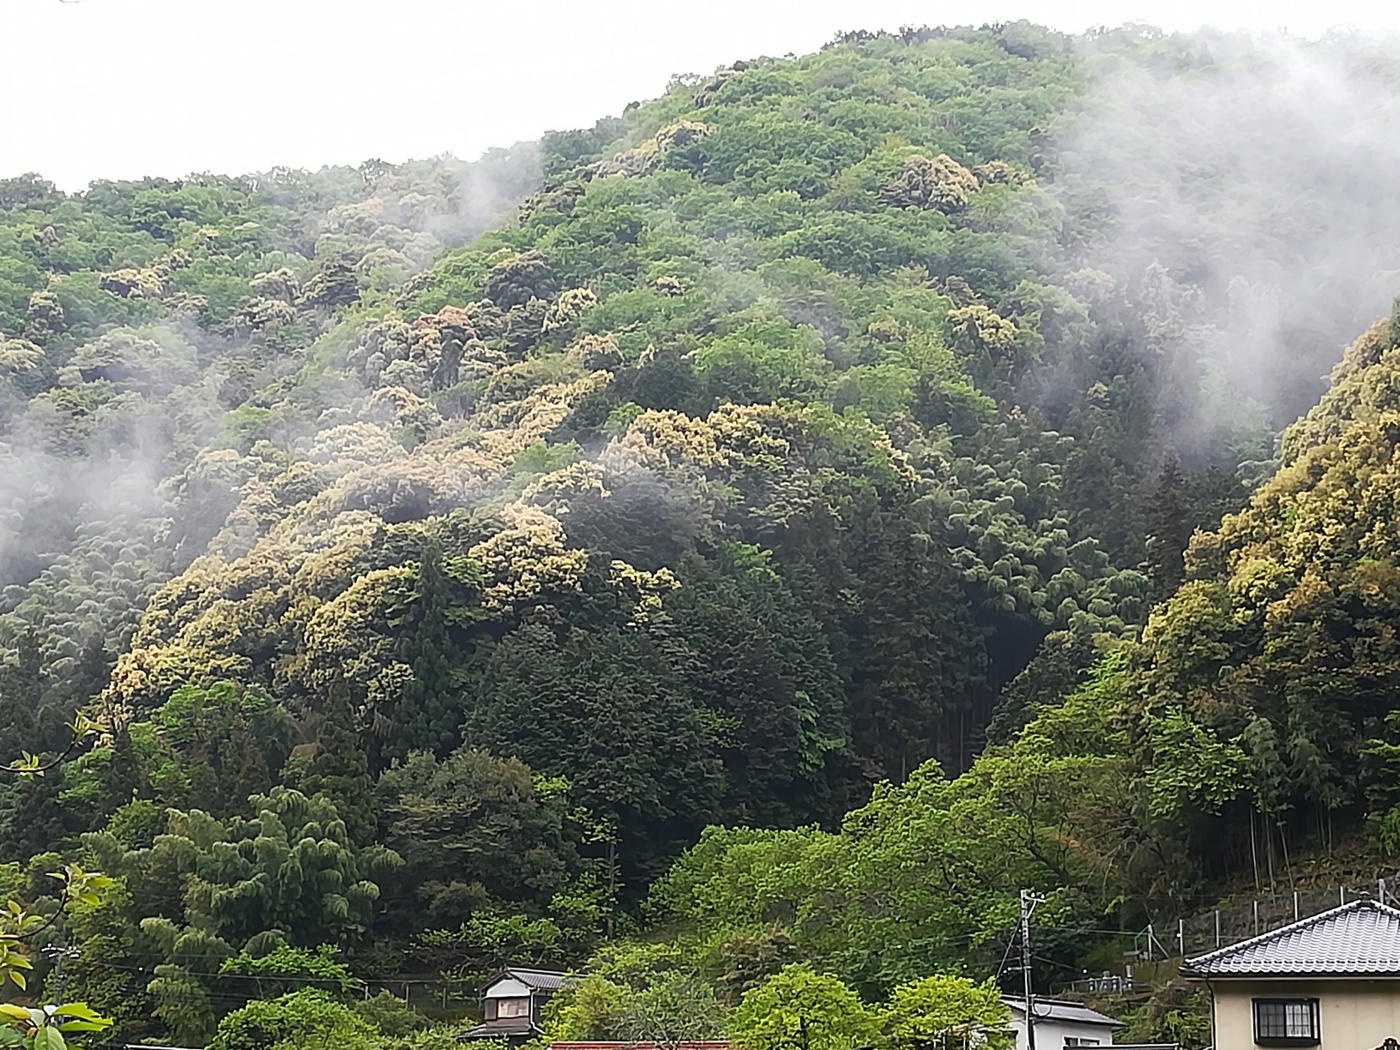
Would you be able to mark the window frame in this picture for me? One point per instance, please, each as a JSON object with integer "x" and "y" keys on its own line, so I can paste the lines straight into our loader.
{"x": 1315, "y": 1018}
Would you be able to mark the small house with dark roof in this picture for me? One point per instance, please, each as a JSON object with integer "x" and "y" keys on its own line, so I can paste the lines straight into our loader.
{"x": 1060, "y": 1023}
{"x": 512, "y": 1005}
{"x": 1330, "y": 981}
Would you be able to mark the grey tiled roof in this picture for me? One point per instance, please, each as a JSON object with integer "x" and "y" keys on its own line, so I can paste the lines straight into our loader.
{"x": 518, "y": 1026}
{"x": 1362, "y": 937}
{"x": 1060, "y": 1010}
{"x": 540, "y": 980}
{"x": 535, "y": 980}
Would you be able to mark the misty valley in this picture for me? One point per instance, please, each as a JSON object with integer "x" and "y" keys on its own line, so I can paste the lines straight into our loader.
{"x": 735, "y": 572}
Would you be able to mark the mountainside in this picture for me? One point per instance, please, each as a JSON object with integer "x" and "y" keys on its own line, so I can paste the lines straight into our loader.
{"x": 1254, "y": 716}
{"x": 1282, "y": 640}
{"x": 444, "y": 547}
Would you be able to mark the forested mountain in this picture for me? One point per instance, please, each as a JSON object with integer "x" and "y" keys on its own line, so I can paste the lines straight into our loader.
{"x": 761, "y": 524}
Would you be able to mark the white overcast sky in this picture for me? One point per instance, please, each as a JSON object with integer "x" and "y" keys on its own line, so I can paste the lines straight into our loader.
{"x": 124, "y": 88}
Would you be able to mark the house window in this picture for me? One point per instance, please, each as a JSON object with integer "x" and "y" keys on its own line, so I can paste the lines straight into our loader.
{"x": 1288, "y": 1022}
{"x": 513, "y": 1008}
{"x": 1076, "y": 1040}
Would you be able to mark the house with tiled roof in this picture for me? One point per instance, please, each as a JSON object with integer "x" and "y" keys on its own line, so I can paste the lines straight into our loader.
{"x": 512, "y": 1005}
{"x": 1060, "y": 1024}
{"x": 1331, "y": 981}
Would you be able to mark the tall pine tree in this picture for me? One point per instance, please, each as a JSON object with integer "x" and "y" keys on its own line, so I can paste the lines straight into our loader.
{"x": 1169, "y": 529}
{"x": 339, "y": 769}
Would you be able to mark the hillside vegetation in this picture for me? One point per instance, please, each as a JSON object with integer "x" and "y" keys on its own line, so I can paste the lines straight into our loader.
{"x": 746, "y": 541}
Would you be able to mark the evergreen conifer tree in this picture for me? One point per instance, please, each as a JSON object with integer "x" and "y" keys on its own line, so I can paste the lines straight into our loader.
{"x": 1169, "y": 529}
{"x": 339, "y": 769}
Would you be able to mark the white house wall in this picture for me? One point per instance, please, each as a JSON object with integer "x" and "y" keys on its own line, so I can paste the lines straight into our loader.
{"x": 1051, "y": 1035}
{"x": 508, "y": 988}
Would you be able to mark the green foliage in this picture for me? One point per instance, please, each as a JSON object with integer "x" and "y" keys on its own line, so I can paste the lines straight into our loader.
{"x": 48, "y": 1028}
{"x": 607, "y": 709}
{"x": 476, "y": 831}
{"x": 750, "y": 542}
{"x": 1178, "y": 1013}
{"x": 1190, "y": 770}
{"x": 800, "y": 1009}
{"x": 318, "y": 885}
{"x": 209, "y": 748}
{"x": 303, "y": 1018}
{"x": 666, "y": 1007}
{"x": 1246, "y": 682}
{"x": 892, "y": 895}
{"x": 286, "y": 969}
{"x": 391, "y": 1016}
{"x": 946, "y": 1011}
{"x": 339, "y": 771}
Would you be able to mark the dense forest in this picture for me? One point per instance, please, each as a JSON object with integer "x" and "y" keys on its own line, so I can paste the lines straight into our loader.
{"x": 729, "y": 551}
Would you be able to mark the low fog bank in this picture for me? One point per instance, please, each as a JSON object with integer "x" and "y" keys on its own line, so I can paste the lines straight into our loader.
{"x": 1242, "y": 193}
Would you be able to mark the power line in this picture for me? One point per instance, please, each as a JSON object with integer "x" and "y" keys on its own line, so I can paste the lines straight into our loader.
{"x": 1001, "y": 968}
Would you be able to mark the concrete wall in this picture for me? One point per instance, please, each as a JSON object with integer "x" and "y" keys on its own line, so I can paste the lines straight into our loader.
{"x": 1353, "y": 1014}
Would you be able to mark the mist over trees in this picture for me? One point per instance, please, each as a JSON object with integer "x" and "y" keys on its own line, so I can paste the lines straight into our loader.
{"x": 733, "y": 548}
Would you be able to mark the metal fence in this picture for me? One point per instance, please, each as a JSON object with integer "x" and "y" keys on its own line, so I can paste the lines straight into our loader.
{"x": 1106, "y": 984}
{"x": 1241, "y": 920}
{"x": 431, "y": 996}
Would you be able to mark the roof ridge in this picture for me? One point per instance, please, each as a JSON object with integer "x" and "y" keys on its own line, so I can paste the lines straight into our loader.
{"x": 1048, "y": 1000}
{"x": 542, "y": 980}
{"x": 1047, "y": 1008}
{"x": 1293, "y": 927}
{"x": 1359, "y": 937}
